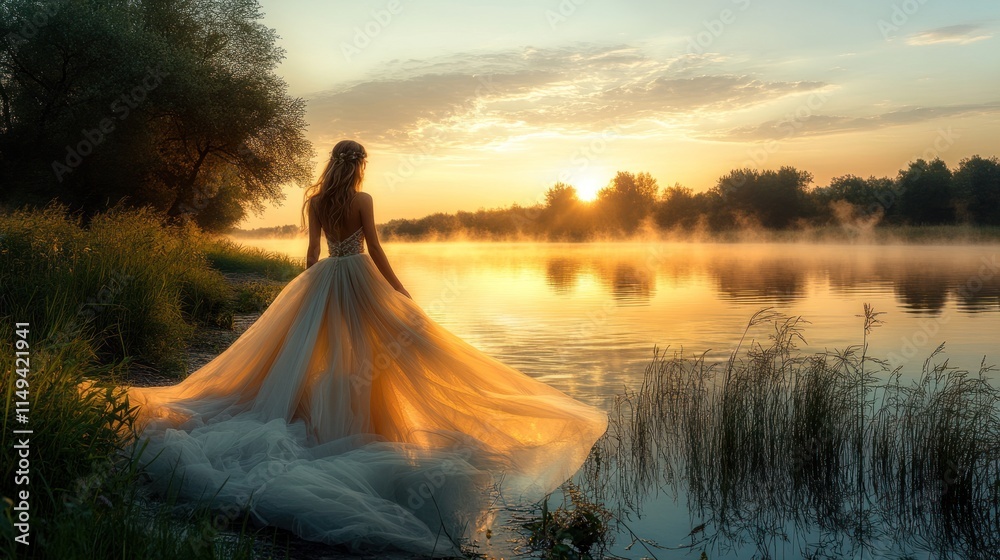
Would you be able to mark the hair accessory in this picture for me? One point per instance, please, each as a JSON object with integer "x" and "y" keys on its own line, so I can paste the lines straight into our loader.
{"x": 349, "y": 156}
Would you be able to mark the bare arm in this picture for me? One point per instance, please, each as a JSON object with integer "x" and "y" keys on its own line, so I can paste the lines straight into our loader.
{"x": 374, "y": 246}
{"x": 315, "y": 231}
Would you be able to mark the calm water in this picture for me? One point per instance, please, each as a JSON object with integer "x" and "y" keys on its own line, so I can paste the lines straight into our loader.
{"x": 586, "y": 317}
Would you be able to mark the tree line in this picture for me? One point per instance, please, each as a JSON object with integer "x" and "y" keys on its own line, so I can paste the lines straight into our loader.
{"x": 925, "y": 193}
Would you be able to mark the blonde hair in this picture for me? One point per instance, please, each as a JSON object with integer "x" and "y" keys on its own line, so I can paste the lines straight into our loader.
{"x": 337, "y": 185}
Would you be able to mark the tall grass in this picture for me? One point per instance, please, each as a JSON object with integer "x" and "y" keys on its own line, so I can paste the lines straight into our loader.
{"x": 129, "y": 283}
{"x": 84, "y": 493}
{"x": 832, "y": 448}
{"x": 123, "y": 287}
{"x": 229, "y": 256}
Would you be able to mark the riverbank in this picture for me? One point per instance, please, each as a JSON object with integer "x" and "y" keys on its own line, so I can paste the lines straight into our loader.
{"x": 119, "y": 298}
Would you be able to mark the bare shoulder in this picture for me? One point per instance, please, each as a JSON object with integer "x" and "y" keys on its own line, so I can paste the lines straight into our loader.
{"x": 363, "y": 199}
{"x": 362, "y": 204}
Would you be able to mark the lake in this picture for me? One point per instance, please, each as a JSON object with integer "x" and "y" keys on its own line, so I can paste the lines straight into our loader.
{"x": 586, "y": 317}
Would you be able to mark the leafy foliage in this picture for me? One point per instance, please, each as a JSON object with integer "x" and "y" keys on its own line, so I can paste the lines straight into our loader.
{"x": 173, "y": 104}
{"x": 574, "y": 531}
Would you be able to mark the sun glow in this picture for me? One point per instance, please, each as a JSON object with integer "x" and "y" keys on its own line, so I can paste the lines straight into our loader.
{"x": 587, "y": 187}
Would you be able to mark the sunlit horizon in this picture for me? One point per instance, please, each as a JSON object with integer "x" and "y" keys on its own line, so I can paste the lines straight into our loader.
{"x": 464, "y": 107}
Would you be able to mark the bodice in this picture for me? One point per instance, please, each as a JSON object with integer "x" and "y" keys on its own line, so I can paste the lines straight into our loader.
{"x": 354, "y": 244}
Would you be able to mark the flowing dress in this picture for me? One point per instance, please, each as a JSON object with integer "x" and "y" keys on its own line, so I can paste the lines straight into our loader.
{"x": 348, "y": 416}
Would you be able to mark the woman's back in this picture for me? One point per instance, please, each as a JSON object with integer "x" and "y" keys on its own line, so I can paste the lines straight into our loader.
{"x": 350, "y": 221}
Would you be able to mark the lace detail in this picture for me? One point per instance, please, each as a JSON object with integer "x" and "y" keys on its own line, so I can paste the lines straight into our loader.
{"x": 353, "y": 245}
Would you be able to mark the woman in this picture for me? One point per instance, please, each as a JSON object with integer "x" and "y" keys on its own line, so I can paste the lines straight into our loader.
{"x": 348, "y": 416}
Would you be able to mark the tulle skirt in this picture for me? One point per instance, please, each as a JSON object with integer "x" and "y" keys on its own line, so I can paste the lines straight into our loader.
{"x": 346, "y": 415}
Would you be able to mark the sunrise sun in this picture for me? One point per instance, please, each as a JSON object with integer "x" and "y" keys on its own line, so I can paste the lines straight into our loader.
{"x": 587, "y": 187}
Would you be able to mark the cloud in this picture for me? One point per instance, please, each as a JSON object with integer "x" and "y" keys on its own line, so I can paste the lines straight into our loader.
{"x": 960, "y": 34}
{"x": 480, "y": 99}
{"x": 821, "y": 125}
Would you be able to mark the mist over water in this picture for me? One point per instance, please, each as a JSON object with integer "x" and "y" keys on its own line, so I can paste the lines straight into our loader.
{"x": 585, "y": 317}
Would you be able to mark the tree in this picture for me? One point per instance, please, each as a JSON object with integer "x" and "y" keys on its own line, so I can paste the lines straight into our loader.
{"x": 564, "y": 215}
{"x": 977, "y": 186}
{"x": 173, "y": 104}
{"x": 678, "y": 207}
{"x": 926, "y": 194}
{"x": 869, "y": 196}
{"x": 774, "y": 198}
{"x": 561, "y": 197}
{"x": 627, "y": 200}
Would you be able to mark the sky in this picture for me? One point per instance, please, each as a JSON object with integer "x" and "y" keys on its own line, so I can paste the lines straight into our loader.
{"x": 464, "y": 105}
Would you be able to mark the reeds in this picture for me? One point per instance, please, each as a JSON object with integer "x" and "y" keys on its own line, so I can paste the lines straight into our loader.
{"x": 833, "y": 450}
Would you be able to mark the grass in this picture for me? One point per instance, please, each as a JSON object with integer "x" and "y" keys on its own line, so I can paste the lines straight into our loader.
{"x": 124, "y": 287}
{"x": 85, "y": 498}
{"x": 130, "y": 284}
{"x": 835, "y": 444}
{"x": 228, "y": 256}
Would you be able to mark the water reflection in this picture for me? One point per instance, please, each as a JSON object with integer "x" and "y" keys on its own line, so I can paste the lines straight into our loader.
{"x": 762, "y": 281}
{"x": 631, "y": 284}
{"x": 562, "y": 273}
{"x": 923, "y": 279}
{"x": 924, "y": 290}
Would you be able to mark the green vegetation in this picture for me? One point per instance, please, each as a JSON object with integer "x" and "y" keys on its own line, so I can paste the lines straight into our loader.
{"x": 172, "y": 105}
{"x": 128, "y": 283}
{"x": 286, "y": 231}
{"x": 832, "y": 451}
{"x": 924, "y": 195}
{"x": 85, "y": 498}
{"x": 577, "y": 530}
{"x": 124, "y": 287}
{"x": 227, "y": 256}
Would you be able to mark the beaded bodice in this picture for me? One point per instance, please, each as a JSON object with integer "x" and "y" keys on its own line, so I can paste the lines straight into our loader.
{"x": 353, "y": 245}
